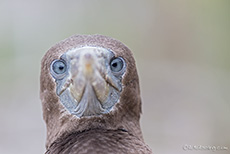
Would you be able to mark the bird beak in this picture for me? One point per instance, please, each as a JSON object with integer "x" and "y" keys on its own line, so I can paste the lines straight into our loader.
{"x": 89, "y": 73}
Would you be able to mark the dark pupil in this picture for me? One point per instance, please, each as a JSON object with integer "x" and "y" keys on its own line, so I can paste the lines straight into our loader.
{"x": 114, "y": 64}
{"x": 61, "y": 68}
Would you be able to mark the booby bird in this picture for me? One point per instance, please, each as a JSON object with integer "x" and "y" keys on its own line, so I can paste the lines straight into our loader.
{"x": 90, "y": 95}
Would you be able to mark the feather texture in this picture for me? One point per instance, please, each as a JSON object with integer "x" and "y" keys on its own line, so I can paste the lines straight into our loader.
{"x": 117, "y": 131}
{"x": 99, "y": 141}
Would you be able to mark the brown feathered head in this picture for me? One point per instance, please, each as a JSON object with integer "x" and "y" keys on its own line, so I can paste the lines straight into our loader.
{"x": 88, "y": 82}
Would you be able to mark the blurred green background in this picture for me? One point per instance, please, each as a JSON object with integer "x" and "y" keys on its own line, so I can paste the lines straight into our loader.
{"x": 182, "y": 50}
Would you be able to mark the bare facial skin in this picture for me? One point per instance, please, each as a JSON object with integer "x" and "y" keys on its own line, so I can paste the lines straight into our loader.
{"x": 89, "y": 80}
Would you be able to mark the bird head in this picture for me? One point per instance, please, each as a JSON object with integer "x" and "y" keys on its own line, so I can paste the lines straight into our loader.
{"x": 89, "y": 81}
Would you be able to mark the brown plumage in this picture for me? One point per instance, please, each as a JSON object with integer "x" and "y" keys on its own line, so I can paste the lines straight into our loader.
{"x": 109, "y": 123}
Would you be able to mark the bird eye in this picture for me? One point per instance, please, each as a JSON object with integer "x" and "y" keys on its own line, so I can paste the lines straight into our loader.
{"x": 117, "y": 64}
{"x": 59, "y": 67}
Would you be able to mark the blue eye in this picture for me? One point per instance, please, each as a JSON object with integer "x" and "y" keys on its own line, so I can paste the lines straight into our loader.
{"x": 59, "y": 67}
{"x": 116, "y": 64}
